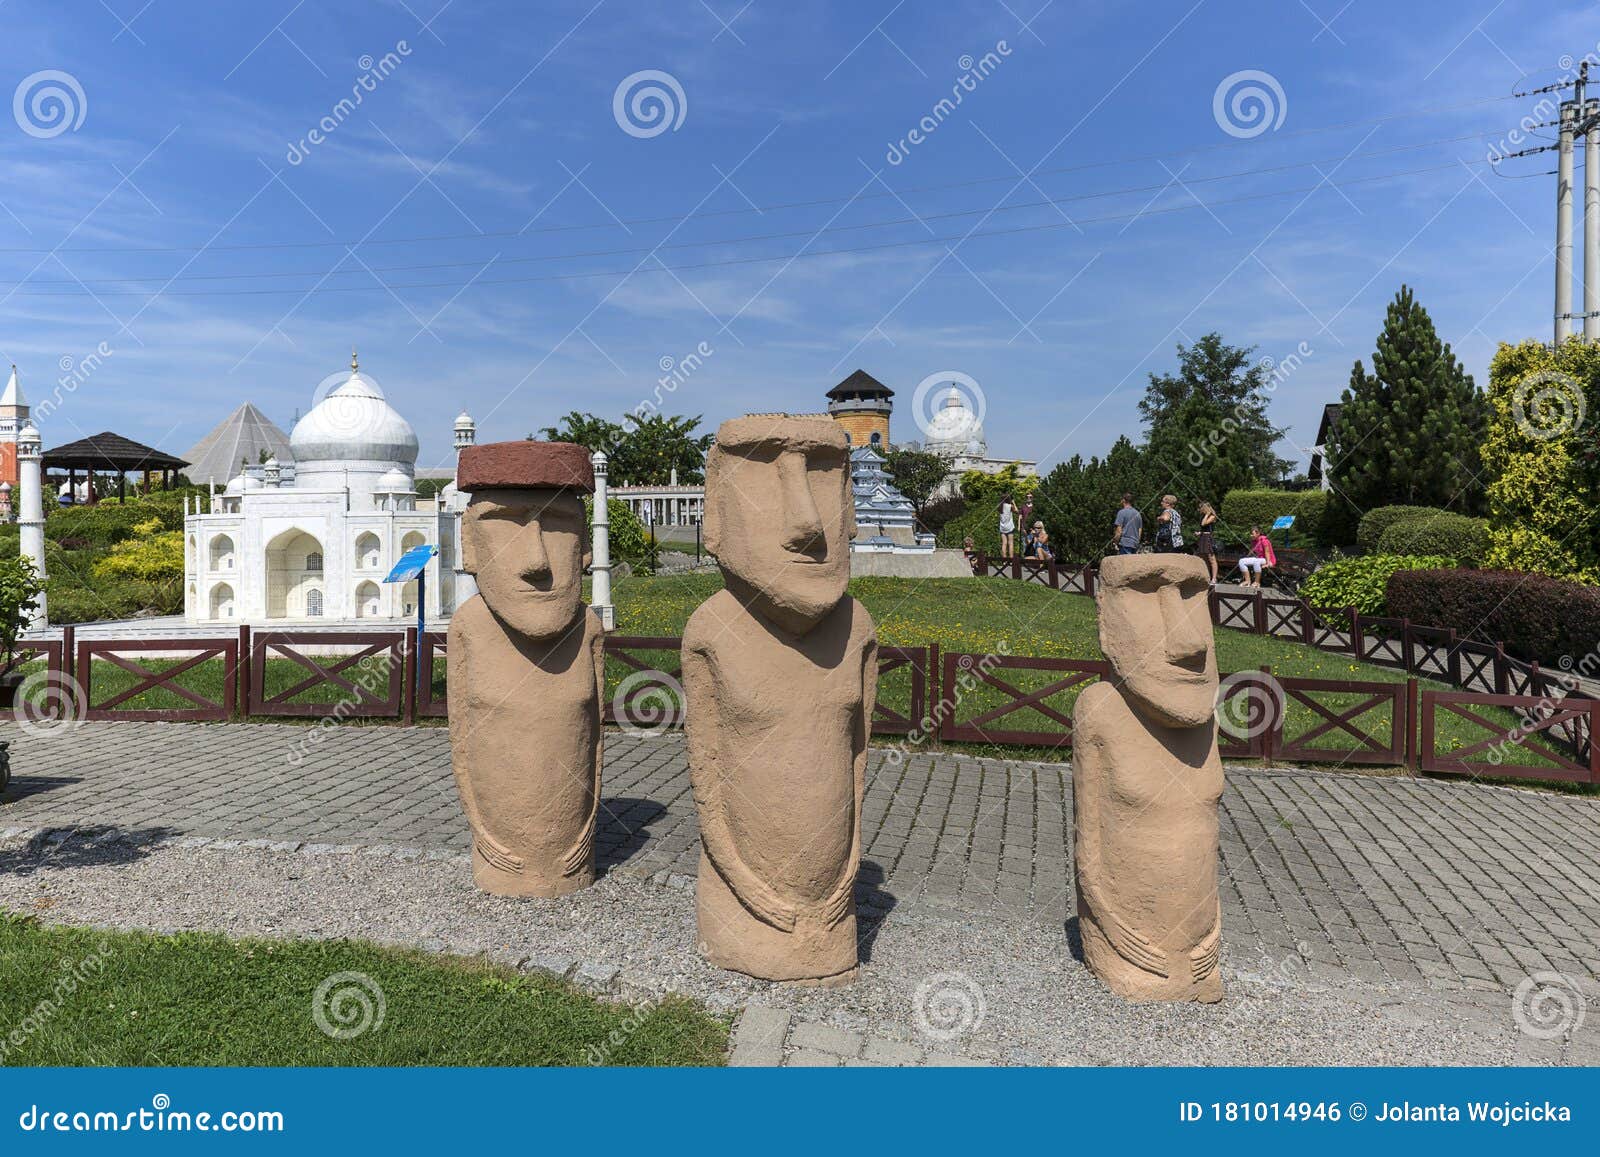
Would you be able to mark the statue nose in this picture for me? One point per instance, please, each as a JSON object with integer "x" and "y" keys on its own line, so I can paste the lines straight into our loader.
{"x": 802, "y": 525}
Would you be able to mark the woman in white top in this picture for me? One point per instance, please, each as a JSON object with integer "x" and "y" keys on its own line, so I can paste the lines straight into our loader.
{"x": 1008, "y": 527}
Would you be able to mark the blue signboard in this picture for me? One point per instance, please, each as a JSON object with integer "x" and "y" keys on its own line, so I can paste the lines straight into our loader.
{"x": 412, "y": 563}
{"x": 1283, "y": 522}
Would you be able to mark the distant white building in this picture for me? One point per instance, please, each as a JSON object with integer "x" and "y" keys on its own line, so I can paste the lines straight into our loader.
{"x": 955, "y": 433}
{"x": 886, "y": 520}
{"x": 310, "y": 541}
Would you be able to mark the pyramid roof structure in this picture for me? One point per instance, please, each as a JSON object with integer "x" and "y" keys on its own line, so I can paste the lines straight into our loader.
{"x": 238, "y": 439}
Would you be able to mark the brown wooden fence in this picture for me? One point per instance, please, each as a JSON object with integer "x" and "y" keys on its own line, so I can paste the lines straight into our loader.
{"x": 342, "y": 674}
{"x": 143, "y": 679}
{"x": 1549, "y": 739}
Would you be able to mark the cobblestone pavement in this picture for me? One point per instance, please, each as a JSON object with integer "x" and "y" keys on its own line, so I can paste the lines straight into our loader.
{"x": 1371, "y": 880}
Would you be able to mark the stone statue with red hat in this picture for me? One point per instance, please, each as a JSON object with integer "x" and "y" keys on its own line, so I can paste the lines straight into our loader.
{"x": 526, "y": 670}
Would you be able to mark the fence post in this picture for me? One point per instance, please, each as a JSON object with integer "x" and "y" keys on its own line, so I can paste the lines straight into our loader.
{"x": 1411, "y": 725}
{"x": 1215, "y": 607}
{"x": 241, "y": 703}
{"x": 1016, "y": 566}
{"x": 983, "y": 564}
{"x": 1502, "y": 679}
{"x": 934, "y": 675}
{"x": 1055, "y": 579}
{"x": 1308, "y": 624}
{"x": 408, "y": 694}
{"x": 1088, "y": 580}
{"x": 1452, "y": 659}
{"x": 1355, "y": 632}
{"x": 69, "y": 652}
{"x": 1594, "y": 741}
{"x": 1280, "y": 711}
{"x": 1261, "y": 613}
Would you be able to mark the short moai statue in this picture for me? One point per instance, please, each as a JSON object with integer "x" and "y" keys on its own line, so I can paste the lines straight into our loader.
{"x": 781, "y": 671}
{"x": 1146, "y": 779}
{"x": 526, "y": 670}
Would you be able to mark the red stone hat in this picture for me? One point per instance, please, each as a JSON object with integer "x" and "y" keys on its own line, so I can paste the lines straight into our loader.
{"x": 521, "y": 465}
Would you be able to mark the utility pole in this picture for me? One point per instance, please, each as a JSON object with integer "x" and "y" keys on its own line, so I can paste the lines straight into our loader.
{"x": 1563, "y": 318}
{"x": 1591, "y": 207}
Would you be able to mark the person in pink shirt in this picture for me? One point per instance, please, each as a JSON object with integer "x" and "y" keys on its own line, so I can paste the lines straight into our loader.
{"x": 1261, "y": 555}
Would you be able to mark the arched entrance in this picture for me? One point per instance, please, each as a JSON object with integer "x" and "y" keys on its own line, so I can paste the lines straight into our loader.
{"x": 369, "y": 555}
{"x": 369, "y": 600}
{"x": 222, "y": 553}
{"x": 294, "y": 575}
{"x": 222, "y": 601}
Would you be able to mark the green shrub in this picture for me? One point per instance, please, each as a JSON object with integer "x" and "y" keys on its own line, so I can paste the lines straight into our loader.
{"x": 1440, "y": 532}
{"x": 630, "y": 537}
{"x": 1242, "y": 509}
{"x": 981, "y": 523}
{"x": 1379, "y": 519}
{"x": 1362, "y": 582}
{"x": 1551, "y": 621}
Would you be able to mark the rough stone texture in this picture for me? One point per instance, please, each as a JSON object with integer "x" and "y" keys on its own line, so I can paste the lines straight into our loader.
{"x": 527, "y": 681}
{"x": 1146, "y": 781}
{"x": 780, "y": 673}
{"x": 523, "y": 464}
{"x": 1371, "y": 920}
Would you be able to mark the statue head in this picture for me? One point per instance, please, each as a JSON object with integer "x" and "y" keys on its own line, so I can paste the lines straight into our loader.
{"x": 524, "y": 535}
{"x": 779, "y": 515}
{"x": 1155, "y": 631}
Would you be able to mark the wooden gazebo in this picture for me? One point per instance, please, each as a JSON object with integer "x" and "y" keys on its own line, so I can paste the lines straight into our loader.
{"x": 108, "y": 453}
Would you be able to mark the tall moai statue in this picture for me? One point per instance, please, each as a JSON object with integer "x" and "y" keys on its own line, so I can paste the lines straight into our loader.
{"x": 1146, "y": 778}
{"x": 780, "y": 670}
{"x": 526, "y": 670}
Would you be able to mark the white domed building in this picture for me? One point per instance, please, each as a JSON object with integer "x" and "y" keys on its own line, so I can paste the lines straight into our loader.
{"x": 955, "y": 433}
{"x": 310, "y": 541}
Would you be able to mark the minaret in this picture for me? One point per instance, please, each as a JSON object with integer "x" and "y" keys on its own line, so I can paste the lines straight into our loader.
{"x": 466, "y": 434}
{"x": 13, "y": 413}
{"x": 31, "y": 522}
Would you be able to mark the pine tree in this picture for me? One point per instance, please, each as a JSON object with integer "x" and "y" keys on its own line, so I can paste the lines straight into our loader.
{"x": 1409, "y": 432}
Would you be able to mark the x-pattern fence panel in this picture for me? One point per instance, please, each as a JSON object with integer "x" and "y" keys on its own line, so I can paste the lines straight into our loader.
{"x": 644, "y": 690}
{"x": 1381, "y": 641}
{"x": 918, "y": 665}
{"x": 348, "y": 674}
{"x": 170, "y": 680}
{"x": 973, "y": 677}
{"x": 1526, "y": 736}
{"x": 1345, "y": 721}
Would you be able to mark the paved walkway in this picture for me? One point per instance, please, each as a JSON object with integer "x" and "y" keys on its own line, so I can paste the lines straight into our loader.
{"x": 1357, "y": 879}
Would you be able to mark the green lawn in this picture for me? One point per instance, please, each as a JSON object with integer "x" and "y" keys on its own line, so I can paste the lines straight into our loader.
{"x": 201, "y": 999}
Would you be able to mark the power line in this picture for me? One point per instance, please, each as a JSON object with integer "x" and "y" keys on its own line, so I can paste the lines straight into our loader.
{"x": 915, "y": 219}
{"x": 385, "y": 287}
{"x": 780, "y": 207}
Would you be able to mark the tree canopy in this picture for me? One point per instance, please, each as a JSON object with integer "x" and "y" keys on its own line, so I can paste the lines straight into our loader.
{"x": 642, "y": 451}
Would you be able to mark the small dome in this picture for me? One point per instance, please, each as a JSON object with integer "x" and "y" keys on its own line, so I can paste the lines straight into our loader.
{"x": 354, "y": 424}
{"x": 393, "y": 482}
{"x": 464, "y": 421}
{"x": 242, "y": 483}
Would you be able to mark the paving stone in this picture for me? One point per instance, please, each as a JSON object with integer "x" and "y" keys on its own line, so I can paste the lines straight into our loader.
{"x": 759, "y": 1035}
{"x": 825, "y": 1038}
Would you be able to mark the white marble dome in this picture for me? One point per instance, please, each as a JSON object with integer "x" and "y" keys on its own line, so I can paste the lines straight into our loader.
{"x": 955, "y": 430}
{"x": 354, "y": 424}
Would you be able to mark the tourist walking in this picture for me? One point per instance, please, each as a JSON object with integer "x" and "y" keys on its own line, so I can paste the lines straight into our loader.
{"x": 1205, "y": 543}
{"x": 1129, "y": 528}
{"x": 1008, "y": 527}
{"x": 1169, "y": 526}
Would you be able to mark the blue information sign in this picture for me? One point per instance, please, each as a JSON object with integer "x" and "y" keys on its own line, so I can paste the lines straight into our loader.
{"x": 412, "y": 563}
{"x": 1283, "y": 522}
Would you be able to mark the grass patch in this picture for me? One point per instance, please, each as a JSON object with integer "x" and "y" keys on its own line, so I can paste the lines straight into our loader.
{"x": 202, "y": 999}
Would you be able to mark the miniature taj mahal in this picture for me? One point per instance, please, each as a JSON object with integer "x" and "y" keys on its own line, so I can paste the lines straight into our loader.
{"x": 312, "y": 540}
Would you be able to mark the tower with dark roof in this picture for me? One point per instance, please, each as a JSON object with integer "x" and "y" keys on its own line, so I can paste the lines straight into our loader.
{"x": 861, "y": 404}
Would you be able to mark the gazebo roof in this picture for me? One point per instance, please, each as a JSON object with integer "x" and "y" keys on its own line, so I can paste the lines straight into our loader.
{"x": 861, "y": 383}
{"x": 108, "y": 451}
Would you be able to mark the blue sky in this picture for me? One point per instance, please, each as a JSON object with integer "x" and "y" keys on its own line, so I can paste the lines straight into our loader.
{"x": 437, "y": 223}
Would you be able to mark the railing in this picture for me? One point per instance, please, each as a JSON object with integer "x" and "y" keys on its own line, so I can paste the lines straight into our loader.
{"x": 342, "y": 674}
{"x": 1542, "y": 739}
{"x": 152, "y": 688}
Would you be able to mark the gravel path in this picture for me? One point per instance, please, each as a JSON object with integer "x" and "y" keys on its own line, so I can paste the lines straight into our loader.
{"x": 947, "y": 982}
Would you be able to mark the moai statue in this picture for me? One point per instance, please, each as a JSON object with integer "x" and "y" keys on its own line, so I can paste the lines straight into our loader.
{"x": 526, "y": 670}
{"x": 780, "y": 670}
{"x": 1146, "y": 778}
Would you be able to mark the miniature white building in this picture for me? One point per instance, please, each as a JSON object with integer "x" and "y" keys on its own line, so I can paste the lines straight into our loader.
{"x": 311, "y": 541}
{"x": 955, "y": 433}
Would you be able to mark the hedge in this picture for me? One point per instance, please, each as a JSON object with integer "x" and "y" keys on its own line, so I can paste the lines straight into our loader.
{"x": 1442, "y": 532}
{"x": 1362, "y": 582}
{"x": 1242, "y": 509}
{"x": 1541, "y": 619}
{"x": 982, "y": 523}
{"x": 1379, "y": 519}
